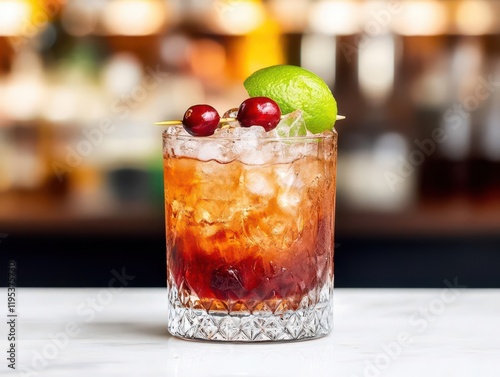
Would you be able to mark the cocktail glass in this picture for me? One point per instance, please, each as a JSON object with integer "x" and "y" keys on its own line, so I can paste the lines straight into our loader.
{"x": 250, "y": 228}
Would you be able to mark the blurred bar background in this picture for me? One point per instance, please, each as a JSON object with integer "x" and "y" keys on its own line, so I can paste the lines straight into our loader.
{"x": 82, "y": 81}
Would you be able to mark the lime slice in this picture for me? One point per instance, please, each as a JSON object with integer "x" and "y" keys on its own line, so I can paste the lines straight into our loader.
{"x": 296, "y": 88}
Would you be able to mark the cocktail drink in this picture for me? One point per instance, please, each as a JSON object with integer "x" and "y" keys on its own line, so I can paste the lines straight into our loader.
{"x": 250, "y": 225}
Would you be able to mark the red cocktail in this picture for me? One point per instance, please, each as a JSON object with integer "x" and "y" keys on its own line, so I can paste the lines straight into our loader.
{"x": 249, "y": 222}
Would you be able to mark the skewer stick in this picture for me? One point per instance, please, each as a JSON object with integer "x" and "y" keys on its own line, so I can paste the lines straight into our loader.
{"x": 179, "y": 122}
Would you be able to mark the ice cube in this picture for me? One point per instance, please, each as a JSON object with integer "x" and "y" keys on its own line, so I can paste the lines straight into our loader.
{"x": 224, "y": 132}
{"x": 189, "y": 148}
{"x": 285, "y": 175}
{"x": 228, "y": 278}
{"x": 247, "y": 139}
{"x": 250, "y": 133}
{"x": 213, "y": 150}
{"x": 248, "y": 145}
{"x": 236, "y": 133}
{"x": 254, "y": 157}
{"x": 259, "y": 183}
{"x": 176, "y": 131}
{"x": 231, "y": 113}
{"x": 292, "y": 125}
{"x": 202, "y": 215}
{"x": 289, "y": 200}
{"x": 186, "y": 148}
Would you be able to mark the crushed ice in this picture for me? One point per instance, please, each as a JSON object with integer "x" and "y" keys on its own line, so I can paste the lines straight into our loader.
{"x": 252, "y": 145}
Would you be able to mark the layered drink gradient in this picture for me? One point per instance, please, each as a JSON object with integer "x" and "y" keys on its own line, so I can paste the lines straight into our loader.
{"x": 249, "y": 223}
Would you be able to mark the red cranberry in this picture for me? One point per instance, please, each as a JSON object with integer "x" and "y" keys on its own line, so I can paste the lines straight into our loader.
{"x": 259, "y": 111}
{"x": 201, "y": 120}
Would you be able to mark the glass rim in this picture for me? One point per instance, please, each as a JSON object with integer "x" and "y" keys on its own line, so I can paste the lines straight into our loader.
{"x": 330, "y": 134}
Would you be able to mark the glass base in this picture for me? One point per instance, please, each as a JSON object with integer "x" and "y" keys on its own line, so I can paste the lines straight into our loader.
{"x": 304, "y": 323}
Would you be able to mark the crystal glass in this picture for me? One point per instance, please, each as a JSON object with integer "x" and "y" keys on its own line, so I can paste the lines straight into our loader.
{"x": 250, "y": 225}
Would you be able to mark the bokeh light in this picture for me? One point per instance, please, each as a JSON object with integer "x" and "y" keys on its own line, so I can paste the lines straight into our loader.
{"x": 334, "y": 17}
{"x": 418, "y": 17}
{"x": 134, "y": 17}
{"x": 475, "y": 17}
{"x": 13, "y": 17}
{"x": 236, "y": 17}
{"x": 80, "y": 18}
{"x": 376, "y": 67}
{"x": 208, "y": 59}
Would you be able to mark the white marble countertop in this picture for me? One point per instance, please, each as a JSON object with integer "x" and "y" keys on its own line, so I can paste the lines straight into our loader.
{"x": 405, "y": 332}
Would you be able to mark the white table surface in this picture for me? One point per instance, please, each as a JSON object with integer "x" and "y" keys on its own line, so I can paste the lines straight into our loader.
{"x": 123, "y": 333}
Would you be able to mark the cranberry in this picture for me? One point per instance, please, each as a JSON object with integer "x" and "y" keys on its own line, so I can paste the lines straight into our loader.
{"x": 201, "y": 120}
{"x": 259, "y": 111}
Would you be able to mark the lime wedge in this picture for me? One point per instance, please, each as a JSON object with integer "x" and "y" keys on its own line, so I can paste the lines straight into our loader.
{"x": 296, "y": 88}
